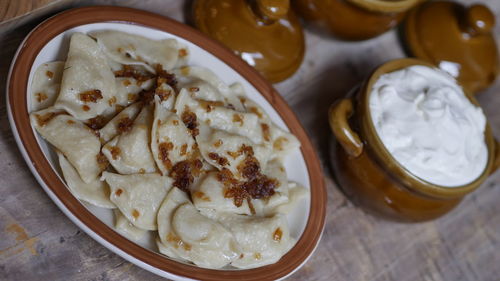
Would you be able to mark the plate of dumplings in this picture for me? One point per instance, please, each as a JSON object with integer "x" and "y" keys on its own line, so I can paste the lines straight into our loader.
{"x": 165, "y": 147}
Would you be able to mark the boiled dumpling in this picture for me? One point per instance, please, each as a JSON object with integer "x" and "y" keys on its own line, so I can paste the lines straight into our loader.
{"x": 128, "y": 89}
{"x": 46, "y": 85}
{"x": 229, "y": 151}
{"x": 174, "y": 199}
{"x": 209, "y": 195}
{"x": 219, "y": 117}
{"x": 126, "y": 228}
{"x": 129, "y": 152}
{"x": 120, "y": 123}
{"x": 192, "y": 236}
{"x": 75, "y": 140}
{"x": 268, "y": 206}
{"x": 184, "y": 55}
{"x": 282, "y": 142}
{"x": 166, "y": 250}
{"x": 88, "y": 84}
{"x": 165, "y": 94}
{"x": 296, "y": 192}
{"x": 138, "y": 196}
{"x": 188, "y": 74}
{"x": 263, "y": 240}
{"x": 129, "y": 48}
{"x": 95, "y": 192}
{"x": 171, "y": 141}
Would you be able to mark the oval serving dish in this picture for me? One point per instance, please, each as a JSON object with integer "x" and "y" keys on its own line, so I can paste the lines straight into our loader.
{"x": 49, "y": 41}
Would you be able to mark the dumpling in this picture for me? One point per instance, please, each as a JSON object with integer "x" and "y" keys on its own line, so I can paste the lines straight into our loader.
{"x": 202, "y": 90}
{"x": 120, "y": 122}
{"x": 95, "y": 192}
{"x": 76, "y": 141}
{"x": 88, "y": 84}
{"x": 128, "y": 89}
{"x": 126, "y": 228}
{"x": 296, "y": 192}
{"x": 129, "y": 152}
{"x": 281, "y": 141}
{"x": 166, "y": 250}
{"x": 171, "y": 141}
{"x": 228, "y": 151}
{"x": 218, "y": 116}
{"x": 269, "y": 205}
{"x": 189, "y": 74}
{"x": 165, "y": 94}
{"x": 46, "y": 85}
{"x": 263, "y": 240}
{"x": 184, "y": 54}
{"x": 209, "y": 195}
{"x": 129, "y": 48}
{"x": 138, "y": 196}
{"x": 192, "y": 236}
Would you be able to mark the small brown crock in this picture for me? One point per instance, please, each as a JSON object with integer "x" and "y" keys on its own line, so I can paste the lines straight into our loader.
{"x": 354, "y": 19}
{"x": 369, "y": 174}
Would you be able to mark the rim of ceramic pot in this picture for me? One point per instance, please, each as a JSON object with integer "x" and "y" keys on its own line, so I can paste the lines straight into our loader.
{"x": 386, "y": 6}
{"x": 384, "y": 157}
{"x": 55, "y": 187}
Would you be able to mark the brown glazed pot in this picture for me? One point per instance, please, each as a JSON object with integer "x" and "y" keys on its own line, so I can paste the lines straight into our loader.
{"x": 457, "y": 39}
{"x": 265, "y": 33}
{"x": 19, "y": 116}
{"x": 369, "y": 174}
{"x": 353, "y": 20}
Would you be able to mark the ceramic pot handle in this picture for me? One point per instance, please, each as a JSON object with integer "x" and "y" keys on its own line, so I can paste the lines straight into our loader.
{"x": 496, "y": 160}
{"x": 338, "y": 115}
{"x": 479, "y": 20}
{"x": 273, "y": 9}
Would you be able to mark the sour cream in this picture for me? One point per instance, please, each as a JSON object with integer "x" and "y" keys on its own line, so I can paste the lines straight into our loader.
{"x": 429, "y": 126}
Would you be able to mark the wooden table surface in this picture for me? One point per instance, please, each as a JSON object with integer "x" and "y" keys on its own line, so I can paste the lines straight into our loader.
{"x": 38, "y": 242}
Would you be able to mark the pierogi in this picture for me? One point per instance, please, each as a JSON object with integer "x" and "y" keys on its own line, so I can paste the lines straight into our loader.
{"x": 175, "y": 151}
{"x": 46, "y": 85}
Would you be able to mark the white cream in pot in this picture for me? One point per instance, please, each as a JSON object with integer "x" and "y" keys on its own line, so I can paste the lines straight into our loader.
{"x": 429, "y": 126}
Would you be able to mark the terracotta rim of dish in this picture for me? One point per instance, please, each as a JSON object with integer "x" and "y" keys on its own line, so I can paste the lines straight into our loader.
{"x": 384, "y": 157}
{"x": 386, "y": 6}
{"x": 17, "y": 99}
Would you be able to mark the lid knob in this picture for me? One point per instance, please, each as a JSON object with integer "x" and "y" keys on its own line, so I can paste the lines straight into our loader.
{"x": 273, "y": 9}
{"x": 480, "y": 20}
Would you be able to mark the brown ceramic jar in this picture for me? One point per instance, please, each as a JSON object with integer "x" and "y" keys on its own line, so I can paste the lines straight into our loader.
{"x": 354, "y": 19}
{"x": 371, "y": 177}
{"x": 264, "y": 33}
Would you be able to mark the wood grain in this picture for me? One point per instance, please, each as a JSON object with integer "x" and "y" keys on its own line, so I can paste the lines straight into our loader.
{"x": 40, "y": 243}
{"x": 10, "y": 10}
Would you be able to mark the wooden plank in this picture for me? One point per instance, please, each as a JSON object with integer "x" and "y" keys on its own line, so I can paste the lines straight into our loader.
{"x": 40, "y": 243}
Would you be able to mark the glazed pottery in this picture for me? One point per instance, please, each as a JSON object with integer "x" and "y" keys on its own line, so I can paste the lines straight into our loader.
{"x": 264, "y": 33}
{"x": 369, "y": 174}
{"x": 457, "y": 39}
{"x": 353, "y": 19}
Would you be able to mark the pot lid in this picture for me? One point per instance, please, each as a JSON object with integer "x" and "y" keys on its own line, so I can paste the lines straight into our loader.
{"x": 264, "y": 33}
{"x": 457, "y": 39}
